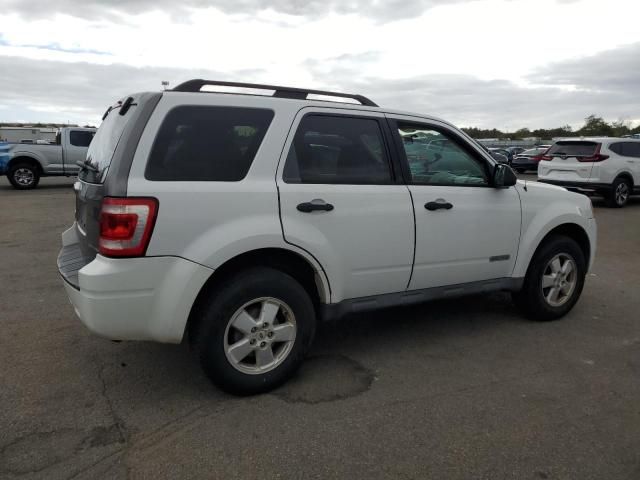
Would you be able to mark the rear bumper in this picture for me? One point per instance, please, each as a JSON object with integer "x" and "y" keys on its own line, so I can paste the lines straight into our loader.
{"x": 147, "y": 298}
{"x": 578, "y": 186}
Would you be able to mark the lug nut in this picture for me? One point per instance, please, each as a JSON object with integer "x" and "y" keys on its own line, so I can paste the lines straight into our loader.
{"x": 263, "y": 344}
{"x": 253, "y": 329}
{"x": 270, "y": 334}
{"x": 252, "y": 341}
{"x": 265, "y": 325}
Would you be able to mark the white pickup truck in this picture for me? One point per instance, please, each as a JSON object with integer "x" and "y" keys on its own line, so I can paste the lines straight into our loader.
{"x": 28, "y": 162}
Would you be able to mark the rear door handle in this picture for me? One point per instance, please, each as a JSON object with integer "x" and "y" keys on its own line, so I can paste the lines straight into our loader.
{"x": 315, "y": 205}
{"x": 439, "y": 204}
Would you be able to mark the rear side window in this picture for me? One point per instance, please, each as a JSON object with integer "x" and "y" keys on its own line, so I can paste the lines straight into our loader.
{"x": 574, "y": 148}
{"x": 200, "y": 143}
{"x": 626, "y": 149}
{"x": 80, "y": 138}
{"x": 331, "y": 149}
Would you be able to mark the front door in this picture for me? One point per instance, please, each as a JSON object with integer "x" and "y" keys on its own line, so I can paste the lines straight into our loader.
{"x": 342, "y": 200}
{"x": 466, "y": 230}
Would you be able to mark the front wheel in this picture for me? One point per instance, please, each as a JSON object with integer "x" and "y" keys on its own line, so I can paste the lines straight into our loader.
{"x": 554, "y": 280}
{"x": 255, "y": 331}
{"x": 23, "y": 176}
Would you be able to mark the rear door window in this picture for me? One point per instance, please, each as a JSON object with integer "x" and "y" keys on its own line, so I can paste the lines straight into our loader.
{"x": 332, "y": 149}
{"x": 202, "y": 143}
{"x": 573, "y": 149}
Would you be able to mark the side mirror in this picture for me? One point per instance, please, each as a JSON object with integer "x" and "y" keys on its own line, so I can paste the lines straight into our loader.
{"x": 503, "y": 176}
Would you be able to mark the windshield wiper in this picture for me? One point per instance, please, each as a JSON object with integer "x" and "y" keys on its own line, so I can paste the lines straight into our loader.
{"x": 86, "y": 164}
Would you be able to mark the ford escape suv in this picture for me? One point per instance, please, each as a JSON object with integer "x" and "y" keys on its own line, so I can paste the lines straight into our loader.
{"x": 239, "y": 221}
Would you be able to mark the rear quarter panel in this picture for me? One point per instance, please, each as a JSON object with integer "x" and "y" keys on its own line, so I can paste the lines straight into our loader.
{"x": 213, "y": 222}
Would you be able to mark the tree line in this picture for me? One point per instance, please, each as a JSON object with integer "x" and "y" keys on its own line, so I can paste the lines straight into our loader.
{"x": 594, "y": 126}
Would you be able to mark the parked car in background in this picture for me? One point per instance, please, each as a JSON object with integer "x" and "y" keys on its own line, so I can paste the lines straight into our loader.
{"x": 515, "y": 150}
{"x": 497, "y": 156}
{"x": 30, "y": 161}
{"x": 240, "y": 221}
{"x": 504, "y": 152}
{"x": 528, "y": 160}
{"x": 605, "y": 166}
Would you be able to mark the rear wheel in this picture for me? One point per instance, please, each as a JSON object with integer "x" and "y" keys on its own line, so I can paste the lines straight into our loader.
{"x": 619, "y": 195}
{"x": 254, "y": 332}
{"x": 554, "y": 280}
{"x": 23, "y": 176}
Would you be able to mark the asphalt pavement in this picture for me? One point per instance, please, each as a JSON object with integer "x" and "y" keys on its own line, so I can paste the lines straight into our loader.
{"x": 458, "y": 389}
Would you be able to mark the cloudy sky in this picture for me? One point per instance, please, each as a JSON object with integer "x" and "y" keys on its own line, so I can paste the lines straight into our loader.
{"x": 486, "y": 63}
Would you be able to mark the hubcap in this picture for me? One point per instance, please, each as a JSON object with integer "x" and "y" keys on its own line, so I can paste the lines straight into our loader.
{"x": 260, "y": 335}
{"x": 622, "y": 193}
{"x": 559, "y": 280}
{"x": 23, "y": 176}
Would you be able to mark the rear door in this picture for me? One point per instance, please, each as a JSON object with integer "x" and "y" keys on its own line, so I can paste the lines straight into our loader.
{"x": 567, "y": 160}
{"x": 466, "y": 230}
{"x": 343, "y": 201}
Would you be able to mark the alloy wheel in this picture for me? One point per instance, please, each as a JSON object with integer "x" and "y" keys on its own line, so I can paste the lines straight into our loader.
{"x": 260, "y": 335}
{"x": 559, "y": 280}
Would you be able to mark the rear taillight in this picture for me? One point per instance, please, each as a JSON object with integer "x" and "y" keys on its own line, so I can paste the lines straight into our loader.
{"x": 537, "y": 158}
{"x": 126, "y": 225}
{"x": 546, "y": 158}
{"x": 596, "y": 157}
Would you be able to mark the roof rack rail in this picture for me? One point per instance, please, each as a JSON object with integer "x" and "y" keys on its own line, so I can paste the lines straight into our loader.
{"x": 281, "y": 92}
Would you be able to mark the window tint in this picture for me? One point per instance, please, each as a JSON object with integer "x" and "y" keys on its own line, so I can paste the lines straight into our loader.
{"x": 436, "y": 159}
{"x": 197, "y": 143}
{"x": 332, "y": 149}
{"x": 574, "y": 148}
{"x": 80, "y": 138}
{"x": 626, "y": 149}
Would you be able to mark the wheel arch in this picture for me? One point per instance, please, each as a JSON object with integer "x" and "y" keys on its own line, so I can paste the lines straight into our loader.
{"x": 572, "y": 230}
{"x": 25, "y": 159}
{"x": 626, "y": 175}
{"x": 287, "y": 261}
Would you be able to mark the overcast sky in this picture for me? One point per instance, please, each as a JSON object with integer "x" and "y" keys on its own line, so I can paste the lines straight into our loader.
{"x": 486, "y": 63}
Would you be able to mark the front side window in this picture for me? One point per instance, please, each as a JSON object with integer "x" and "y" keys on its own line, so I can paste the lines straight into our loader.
{"x": 436, "y": 158}
{"x": 81, "y": 138}
{"x": 330, "y": 149}
{"x": 201, "y": 143}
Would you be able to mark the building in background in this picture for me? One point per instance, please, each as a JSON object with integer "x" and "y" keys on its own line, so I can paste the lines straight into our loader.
{"x": 27, "y": 134}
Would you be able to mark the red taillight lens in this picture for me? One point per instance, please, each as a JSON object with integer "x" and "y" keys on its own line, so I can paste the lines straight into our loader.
{"x": 598, "y": 157}
{"x": 537, "y": 158}
{"x": 546, "y": 158}
{"x": 126, "y": 225}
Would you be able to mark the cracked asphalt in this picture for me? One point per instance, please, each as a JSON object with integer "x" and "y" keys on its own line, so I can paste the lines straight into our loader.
{"x": 456, "y": 389}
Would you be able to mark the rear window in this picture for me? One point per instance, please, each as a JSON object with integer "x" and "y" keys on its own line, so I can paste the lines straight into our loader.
{"x": 103, "y": 146}
{"x": 574, "y": 148}
{"x": 200, "y": 143}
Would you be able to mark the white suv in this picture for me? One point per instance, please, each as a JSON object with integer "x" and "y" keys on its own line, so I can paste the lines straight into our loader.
{"x": 606, "y": 166}
{"x": 238, "y": 221}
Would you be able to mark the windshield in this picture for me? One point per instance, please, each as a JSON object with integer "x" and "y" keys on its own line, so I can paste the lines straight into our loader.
{"x": 103, "y": 146}
{"x": 574, "y": 148}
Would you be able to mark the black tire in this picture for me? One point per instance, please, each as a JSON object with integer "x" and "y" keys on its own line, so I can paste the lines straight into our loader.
{"x": 214, "y": 316}
{"x": 620, "y": 193}
{"x": 531, "y": 299}
{"x": 24, "y": 176}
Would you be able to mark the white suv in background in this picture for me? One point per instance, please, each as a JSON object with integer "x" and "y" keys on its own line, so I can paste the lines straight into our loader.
{"x": 239, "y": 221}
{"x": 607, "y": 166}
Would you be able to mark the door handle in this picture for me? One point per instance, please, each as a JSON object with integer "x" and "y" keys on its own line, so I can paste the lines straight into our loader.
{"x": 439, "y": 204}
{"x": 315, "y": 205}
